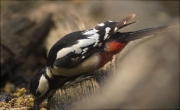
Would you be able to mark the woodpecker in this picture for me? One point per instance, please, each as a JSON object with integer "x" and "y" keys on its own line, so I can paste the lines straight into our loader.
{"x": 81, "y": 52}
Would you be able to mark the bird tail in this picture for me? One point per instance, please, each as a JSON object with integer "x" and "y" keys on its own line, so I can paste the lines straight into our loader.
{"x": 130, "y": 36}
{"x": 145, "y": 32}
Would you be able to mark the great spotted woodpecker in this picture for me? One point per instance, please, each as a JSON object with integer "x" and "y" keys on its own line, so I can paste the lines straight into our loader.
{"x": 81, "y": 52}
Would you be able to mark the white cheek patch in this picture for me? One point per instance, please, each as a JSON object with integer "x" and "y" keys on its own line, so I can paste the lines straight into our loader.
{"x": 43, "y": 85}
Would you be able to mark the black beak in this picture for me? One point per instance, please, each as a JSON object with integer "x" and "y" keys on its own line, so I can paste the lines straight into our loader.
{"x": 36, "y": 106}
{"x": 37, "y": 103}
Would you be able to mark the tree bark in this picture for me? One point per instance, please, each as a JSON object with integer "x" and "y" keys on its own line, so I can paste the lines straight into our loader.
{"x": 65, "y": 98}
{"x": 19, "y": 37}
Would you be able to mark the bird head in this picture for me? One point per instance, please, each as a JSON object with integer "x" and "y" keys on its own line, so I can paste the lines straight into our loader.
{"x": 40, "y": 86}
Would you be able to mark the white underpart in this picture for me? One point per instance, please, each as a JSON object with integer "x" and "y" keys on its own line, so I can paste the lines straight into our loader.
{"x": 107, "y": 32}
{"x": 124, "y": 22}
{"x": 83, "y": 57}
{"x": 110, "y": 21}
{"x": 75, "y": 48}
{"x": 101, "y": 24}
{"x": 43, "y": 85}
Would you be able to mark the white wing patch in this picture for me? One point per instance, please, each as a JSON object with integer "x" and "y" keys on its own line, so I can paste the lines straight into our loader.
{"x": 101, "y": 24}
{"x": 84, "y": 42}
{"x": 92, "y": 31}
{"x": 115, "y": 29}
{"x": 107, "y": 32}
{"x": 77, "y": 48}
{"x": 84, "y": 50}
{"x": 64, "y": 52}
{"x": 78, "y": 51}
{"x": 75, "y": 59}
{"x": 96, "y": 38}
{"x": 100, "y": 44}
{"x": 91, "y": 37}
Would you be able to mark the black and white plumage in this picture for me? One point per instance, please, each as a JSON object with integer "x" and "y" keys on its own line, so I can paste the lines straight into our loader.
{"x": 81, "y": 52}
{"x": 75, "y": 47}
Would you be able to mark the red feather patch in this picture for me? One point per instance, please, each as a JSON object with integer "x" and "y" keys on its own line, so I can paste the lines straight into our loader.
{"x": 114, "y": 47}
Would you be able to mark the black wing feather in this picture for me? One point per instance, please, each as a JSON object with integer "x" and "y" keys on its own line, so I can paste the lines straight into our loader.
{"x": 66, "y": 61}
{"x": 104, "y": 31}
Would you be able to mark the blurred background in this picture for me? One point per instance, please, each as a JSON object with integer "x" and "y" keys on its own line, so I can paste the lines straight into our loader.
{"x": 147, "y": 75}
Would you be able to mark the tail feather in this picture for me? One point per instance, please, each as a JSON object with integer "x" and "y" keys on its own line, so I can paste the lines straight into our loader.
{"x": 145, "y": 32}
